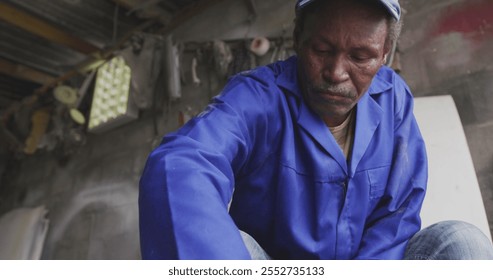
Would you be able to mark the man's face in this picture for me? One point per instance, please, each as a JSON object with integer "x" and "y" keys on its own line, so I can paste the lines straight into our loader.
{"x": 340, "y": 49}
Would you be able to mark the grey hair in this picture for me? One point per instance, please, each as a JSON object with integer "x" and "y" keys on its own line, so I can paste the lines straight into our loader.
{"x": 394, "y": 31}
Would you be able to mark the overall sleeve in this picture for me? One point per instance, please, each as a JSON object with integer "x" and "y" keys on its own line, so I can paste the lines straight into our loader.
{"x": 188, "y": 181}
{"x": 396, "y": 218}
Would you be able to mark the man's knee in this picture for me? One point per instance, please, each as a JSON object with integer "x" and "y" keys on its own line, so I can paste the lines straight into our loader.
{"x": 452, "y": 240}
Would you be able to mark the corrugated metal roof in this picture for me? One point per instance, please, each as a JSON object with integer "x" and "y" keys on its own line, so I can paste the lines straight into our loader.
{"x": 33, "y": 51}
{"x": 98, "y": 22}
{"x": 91, "y": 20}
{"x": 15, "y": 89}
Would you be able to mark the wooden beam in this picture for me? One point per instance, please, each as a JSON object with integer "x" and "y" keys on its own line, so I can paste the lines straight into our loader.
{"x": 43, "y": 29}
{"x": 24, "y": 73}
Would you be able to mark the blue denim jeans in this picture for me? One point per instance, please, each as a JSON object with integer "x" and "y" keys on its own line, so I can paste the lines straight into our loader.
{"x": 448, "y": 240}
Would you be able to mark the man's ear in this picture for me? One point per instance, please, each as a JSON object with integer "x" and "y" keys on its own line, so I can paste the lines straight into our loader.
{"x": 388, "y": 48}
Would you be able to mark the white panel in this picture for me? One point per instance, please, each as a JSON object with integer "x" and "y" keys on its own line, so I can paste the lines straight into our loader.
{"x": 453, "y": 189}
{"x": 22, "y": 233}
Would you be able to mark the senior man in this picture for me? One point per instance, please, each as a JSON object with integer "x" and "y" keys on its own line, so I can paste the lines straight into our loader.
{"x": 315, "y": 157}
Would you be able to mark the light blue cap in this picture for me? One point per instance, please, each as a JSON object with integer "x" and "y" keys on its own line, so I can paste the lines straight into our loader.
{"x": 392, "y": 6}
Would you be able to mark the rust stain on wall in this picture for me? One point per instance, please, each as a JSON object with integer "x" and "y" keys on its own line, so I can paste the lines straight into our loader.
{"x": 474, "y": 18}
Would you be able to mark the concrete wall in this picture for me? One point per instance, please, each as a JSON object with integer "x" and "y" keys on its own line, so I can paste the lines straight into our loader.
{"x": 272, "y": 18}
{"x": 446, "y": 49}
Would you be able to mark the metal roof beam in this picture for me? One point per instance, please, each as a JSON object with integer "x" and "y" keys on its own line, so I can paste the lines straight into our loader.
{"x": 23, "y": 72}
{"x": 43, "y": 29}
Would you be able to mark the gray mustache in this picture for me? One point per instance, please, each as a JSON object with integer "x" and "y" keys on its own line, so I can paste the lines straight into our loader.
{"x": 337, "y": 89}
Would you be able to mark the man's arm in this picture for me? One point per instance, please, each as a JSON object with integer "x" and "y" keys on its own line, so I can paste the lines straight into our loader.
{"x": 396, "y": 219}
{"x": 188, "y": 182}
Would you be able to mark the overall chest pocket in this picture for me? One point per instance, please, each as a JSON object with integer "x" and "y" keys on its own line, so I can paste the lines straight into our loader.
{"x": 378, "y": 178}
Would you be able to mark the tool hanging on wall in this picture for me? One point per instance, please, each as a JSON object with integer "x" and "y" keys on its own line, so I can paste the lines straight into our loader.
{"x": 185, "y": 115}
{"x": 282, "y": 50}
{"x": 68, "y": 96}
{"x": 195, "y": 78}
{"x": 39, "y": 124}
{"x": 65, "y": 95}
{"x": 279, "y": 52}
{"x": 145, "y": 58}
{"x": 222, "y": 57}
{"x": 242, "y": 59}
{"x": 172, "y": 69}
{"x": 260, "y": 46}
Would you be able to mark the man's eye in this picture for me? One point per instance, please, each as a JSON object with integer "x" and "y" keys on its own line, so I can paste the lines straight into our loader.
{"x": 360, "y": 58}
{"x": 321, "y": 49}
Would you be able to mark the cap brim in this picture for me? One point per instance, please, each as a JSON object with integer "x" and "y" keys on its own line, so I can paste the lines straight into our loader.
{"x": 392, "y": 9}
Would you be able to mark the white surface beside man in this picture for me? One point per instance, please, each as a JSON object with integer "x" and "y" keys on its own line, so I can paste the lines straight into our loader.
{"x": 453, "y": 190}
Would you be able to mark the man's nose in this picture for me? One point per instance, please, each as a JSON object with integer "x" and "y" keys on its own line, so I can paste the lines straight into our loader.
{"x": 335, "y": 70}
